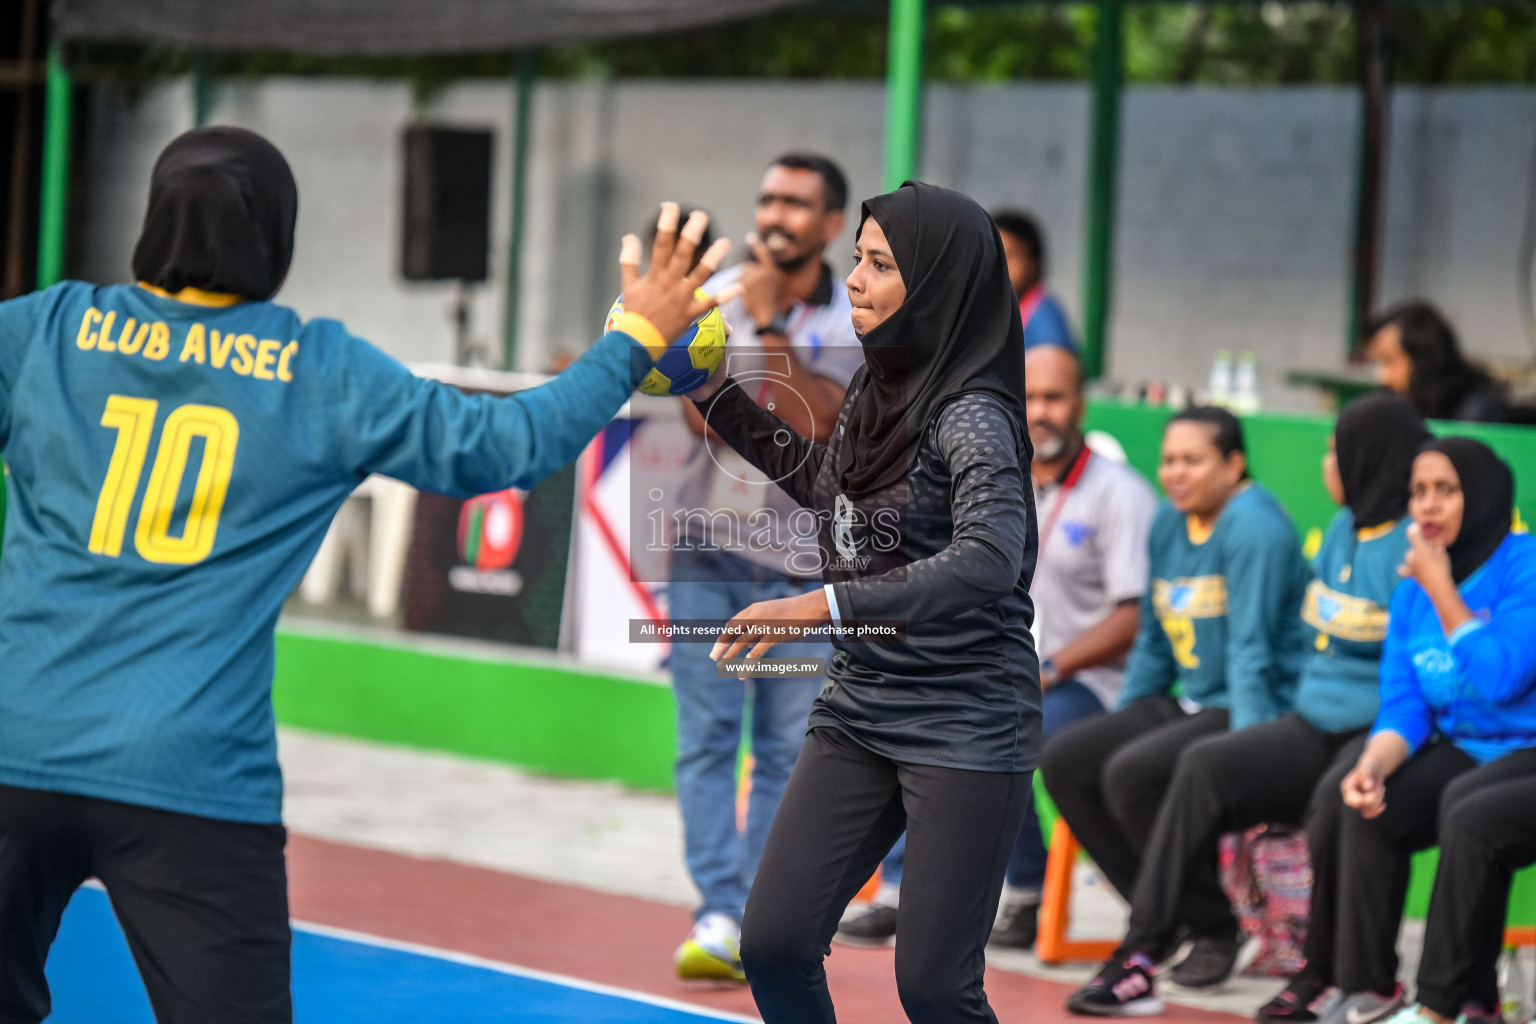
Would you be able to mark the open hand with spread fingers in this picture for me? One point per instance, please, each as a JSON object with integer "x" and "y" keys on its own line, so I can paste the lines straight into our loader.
{"x": 664, "y": 297}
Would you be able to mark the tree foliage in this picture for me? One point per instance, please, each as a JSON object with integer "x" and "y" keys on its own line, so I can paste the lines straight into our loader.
{"x": 1260, "y": 43}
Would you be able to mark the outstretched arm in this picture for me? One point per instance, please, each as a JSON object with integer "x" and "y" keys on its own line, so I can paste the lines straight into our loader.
{"x": 764, "y": 440}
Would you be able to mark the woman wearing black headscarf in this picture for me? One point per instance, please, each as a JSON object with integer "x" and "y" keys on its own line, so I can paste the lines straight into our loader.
{"x": 1458, "y": 714}
{"x": 137, "y": 742}
{"x": 1272, "y": 772}
{"x": 927, "y": 521}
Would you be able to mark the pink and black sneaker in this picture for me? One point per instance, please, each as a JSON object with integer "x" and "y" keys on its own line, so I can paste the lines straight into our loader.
{"x": 1122, "y": 988}
{"x": 1294, "y": 1005}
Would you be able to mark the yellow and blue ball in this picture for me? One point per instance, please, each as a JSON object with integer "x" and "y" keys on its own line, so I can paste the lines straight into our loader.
{"x": 688, "y": 361}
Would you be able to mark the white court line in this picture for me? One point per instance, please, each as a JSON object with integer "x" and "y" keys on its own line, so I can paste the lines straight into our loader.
{"x": 469, "y": 960}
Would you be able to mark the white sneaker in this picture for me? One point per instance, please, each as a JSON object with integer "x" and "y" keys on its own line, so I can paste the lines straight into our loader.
{"x": 1365, "y": 1008}
{"x": 712, "y": 951}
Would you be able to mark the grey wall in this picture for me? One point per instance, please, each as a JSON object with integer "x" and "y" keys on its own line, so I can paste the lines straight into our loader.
{"x": 1235, "y": 214}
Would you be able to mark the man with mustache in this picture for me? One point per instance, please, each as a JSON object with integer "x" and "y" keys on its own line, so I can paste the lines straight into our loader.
{"x": 740, "y": 539}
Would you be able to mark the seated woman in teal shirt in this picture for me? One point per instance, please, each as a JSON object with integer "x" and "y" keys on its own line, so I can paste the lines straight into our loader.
{"x": 1458, "y": 714}
{"x": 1220, "y": 621}
{"x": 1270, "y": 772}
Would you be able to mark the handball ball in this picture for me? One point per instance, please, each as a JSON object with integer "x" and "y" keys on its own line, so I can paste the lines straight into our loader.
{"x": 688, "y": 361}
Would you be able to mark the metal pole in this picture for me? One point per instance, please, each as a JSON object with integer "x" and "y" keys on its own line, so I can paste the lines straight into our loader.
{"x": 1103, "y": 176}
{"x": 202, "y": 89}
{"x": 55, "y": 184}
{"x": 525, "y": 66}
{"x": 1369, "y": 186}
{"x": 904, "y": 92}
{"x": 21, "y": 164}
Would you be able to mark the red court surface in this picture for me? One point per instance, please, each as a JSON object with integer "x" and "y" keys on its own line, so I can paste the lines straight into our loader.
{"x": 612, "y": 940}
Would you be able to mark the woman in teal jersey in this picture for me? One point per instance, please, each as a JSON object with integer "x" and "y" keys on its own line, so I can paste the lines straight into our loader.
{"x": 1271, "y": 772}
{"x": 137, "y": 742}
{"x": 1220, "y": 622}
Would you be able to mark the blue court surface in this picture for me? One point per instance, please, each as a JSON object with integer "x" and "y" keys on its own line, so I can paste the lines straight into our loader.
{"x": 341, "y": 979}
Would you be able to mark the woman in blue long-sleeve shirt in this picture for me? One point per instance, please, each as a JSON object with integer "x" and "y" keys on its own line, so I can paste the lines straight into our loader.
{"x": 1458, "y": 704}
{"x": 1220, "y": 621}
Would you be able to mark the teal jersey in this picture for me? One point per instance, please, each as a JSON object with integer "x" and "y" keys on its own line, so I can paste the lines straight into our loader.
{"x": 173, "y": 468}
{"x": 1345, "y": 611}
{"x": 1220, "y": 617}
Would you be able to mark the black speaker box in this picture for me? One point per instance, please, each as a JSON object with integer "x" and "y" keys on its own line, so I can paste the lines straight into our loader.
{"x": 447, "y": 218}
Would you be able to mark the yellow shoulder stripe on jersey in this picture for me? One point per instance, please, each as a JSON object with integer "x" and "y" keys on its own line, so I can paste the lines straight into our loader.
{"x": 1344, "y": 616}
{"x": 195, "y": 296}
{"x": 1377, "y": 531}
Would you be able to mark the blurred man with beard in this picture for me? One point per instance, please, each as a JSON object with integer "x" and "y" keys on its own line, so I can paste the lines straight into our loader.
{"x": 742, "y": 540}
{"x": 1094, "y": 517}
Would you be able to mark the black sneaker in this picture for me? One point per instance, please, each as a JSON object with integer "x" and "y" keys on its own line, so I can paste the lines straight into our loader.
{"x": 874, "y": 927}
{"x": 1017, "y": 927}
{"x": 1294, "y": 1004}
{"x": 1122, "y": 988}
{"x": 1208, "y": 964}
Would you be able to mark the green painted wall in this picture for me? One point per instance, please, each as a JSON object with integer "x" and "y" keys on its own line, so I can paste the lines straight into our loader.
{"x": 1285, "y": 454}
{"x": 544, "y": 717}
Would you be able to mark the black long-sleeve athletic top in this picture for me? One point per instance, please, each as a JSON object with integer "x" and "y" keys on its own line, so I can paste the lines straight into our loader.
{"x": 950, "y": 551}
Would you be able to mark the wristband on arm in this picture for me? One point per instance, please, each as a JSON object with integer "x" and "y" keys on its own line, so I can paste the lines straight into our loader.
{"x": 642, "y": 330}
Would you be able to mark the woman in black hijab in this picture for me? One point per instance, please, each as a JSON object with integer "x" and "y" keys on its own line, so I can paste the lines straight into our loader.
{"x": 222, "y": 209}
{"x": 137, "y": 742}
{"x": 926, "y": 524}
{"x": 1373, "y": 447}
{"x": 1458, "y": 715}
{"x": 1283, "y": 770}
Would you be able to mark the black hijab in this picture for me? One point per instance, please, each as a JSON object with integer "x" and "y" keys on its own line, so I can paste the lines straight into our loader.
{"x": 1376, "y": 440}
{"x": 1488, "y": 494}
{"x": 222, "y": 205}
{"x": 957, "y": 331}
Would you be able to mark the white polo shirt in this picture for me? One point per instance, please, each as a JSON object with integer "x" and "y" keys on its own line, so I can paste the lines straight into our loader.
{"x": 1093, "y": 558}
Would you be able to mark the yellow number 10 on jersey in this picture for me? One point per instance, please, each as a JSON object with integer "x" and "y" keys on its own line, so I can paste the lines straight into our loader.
{"x": 134, "y": 421}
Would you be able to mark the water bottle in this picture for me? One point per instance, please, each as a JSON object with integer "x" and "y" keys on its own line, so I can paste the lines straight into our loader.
{"x": 1219, "y": 391}
{"x": 1512, "y": 991}
{"x": 1245, "y": 385}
